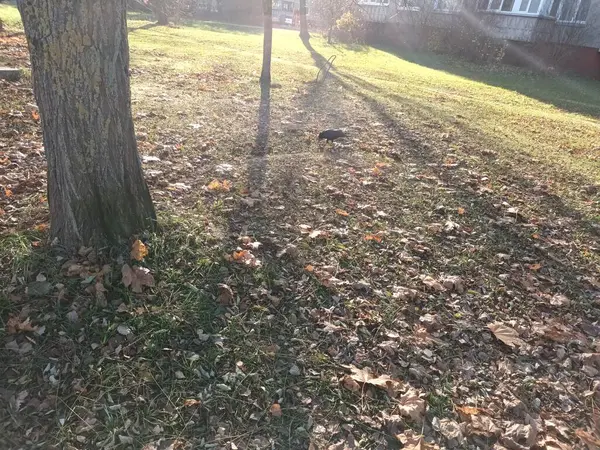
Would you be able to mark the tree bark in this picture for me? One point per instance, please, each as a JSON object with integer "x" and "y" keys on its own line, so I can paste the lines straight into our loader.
{"x": 160, "y": 11}
{"x": 265, "y": 76}
{"x": 304, "y": 34}
{"x": 80, "y": 65}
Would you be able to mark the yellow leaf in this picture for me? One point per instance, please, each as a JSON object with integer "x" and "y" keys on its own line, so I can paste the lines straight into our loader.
{"x": 275, "y": 410}
{"x": 139, "y": 250}
{"x": 461, "y": 211}
{"x": 341, "y": 212}
{"x": 309, "y": 268}
{"x": 214, "y": 185}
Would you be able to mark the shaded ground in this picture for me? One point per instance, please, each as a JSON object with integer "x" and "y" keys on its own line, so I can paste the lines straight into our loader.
{"x": 448, "y": 209}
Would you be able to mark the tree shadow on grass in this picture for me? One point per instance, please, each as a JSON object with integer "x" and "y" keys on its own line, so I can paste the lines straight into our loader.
{"x": 515, "y": 238}
{"x": 146, "y": 26}
{"x": 568, "y": 93}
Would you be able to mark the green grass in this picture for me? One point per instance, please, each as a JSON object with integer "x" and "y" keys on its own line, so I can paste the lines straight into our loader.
{"x": 434, "y": 143}
{"x": 10, "y": 16}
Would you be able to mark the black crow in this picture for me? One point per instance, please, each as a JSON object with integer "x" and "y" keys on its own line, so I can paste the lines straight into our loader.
{"x": 331, "y": 135}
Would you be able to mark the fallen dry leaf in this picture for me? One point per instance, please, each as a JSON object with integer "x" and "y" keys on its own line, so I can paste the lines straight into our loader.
{"x": 483, "y": 425}
{"x": 225, "y": 295}
{"x": 365, "y": 376}
{"x": 434, "y": 284}
{"x": 14, "y": 325}
{"x": 275, "y": 410}
{"x": 191, "y": 402}
{"x": 351, "y": 384}
{"x": 341, "y": 212}
{"x": 412, "y": 405}
{"x": 137, "y": 278}
{"x": 505, "y": 334}
{"x": 138, "y": 250}
{"x": 412, "y": 441}
{"x": 246, "y": 257}
{"x": 216, "y": 185}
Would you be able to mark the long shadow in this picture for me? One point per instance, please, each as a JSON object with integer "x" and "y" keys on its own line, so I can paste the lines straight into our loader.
{"x": 420, "y": 151}
{"x": 569, "y": 93}
{"x": 146, "y": 26}
{"x": 549, "y": 202}
{"x": 258, "y": 162}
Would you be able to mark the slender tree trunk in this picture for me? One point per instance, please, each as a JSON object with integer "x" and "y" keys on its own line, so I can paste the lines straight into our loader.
{"x": 304, "y": 35}
{"x": 160, "y": 11}
{"x": 80, "y": 64}
{"x": 265, "y": 76}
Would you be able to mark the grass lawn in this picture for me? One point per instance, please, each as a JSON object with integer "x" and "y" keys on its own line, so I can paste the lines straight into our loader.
{"x": 464, "y": 197}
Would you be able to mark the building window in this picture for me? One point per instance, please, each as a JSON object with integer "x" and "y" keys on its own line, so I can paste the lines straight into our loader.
{"x": 513, "y": 6}
{"x": 575, "y": 11}
{"x": 374, "y": 2}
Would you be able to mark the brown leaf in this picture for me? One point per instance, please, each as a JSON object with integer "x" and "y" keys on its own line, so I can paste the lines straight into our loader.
{"x": 138, "y": 250}
{"x": 351, "y": 384}
{"x": 246, "y": 257}
{"x": 365, "y": 376}
{"x": 275, "y": 410}
{"x": 588, "y": 438}
{"x": 412, "y": 405}
{"x": 341, "y": 212}
{"x": 191, "y": 402}
{"x": 434, "y": 284}
{"x": 505, "y": 334}
{"x": 14, "y": 325}
{"x": 412, "y": 441}
{"x": 137, "y": 278}
{"x": 225, "y": 295}
{"x": 483, "y": 425}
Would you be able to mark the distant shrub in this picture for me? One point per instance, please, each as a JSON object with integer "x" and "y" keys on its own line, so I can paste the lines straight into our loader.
{"x": 350, "y": 28}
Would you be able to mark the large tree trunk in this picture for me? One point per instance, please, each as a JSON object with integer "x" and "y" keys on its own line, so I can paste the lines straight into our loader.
{"x": 265, "y": 76}
{"x": 80, "y": 63}
{"x": 304, "y": 35}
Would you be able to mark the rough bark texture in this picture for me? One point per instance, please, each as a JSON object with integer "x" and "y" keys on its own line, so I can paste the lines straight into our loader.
{"x": 265, "y": 76}
{"x": 304, "y": 35}
{"x": 80, "y": 64}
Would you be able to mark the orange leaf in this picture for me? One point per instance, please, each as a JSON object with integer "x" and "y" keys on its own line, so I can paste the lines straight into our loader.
{"x": 275, "y": 410}
{"x": 469, "y": 410}
{"x": 373, "y": 237}
{"x": 534, "y": 267}
{"x": 341, "y": 212}
{"x": 535, "y": 236}
{"x": 35, "y": 115}
{"x": 138, "y": 250}
{"x": 461, "y": 211}
{"x": 191, "y": 402}
{"x": 41, "y": 227}
{"x": 309, "y": 268}
{"x": 8, "y": 192}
